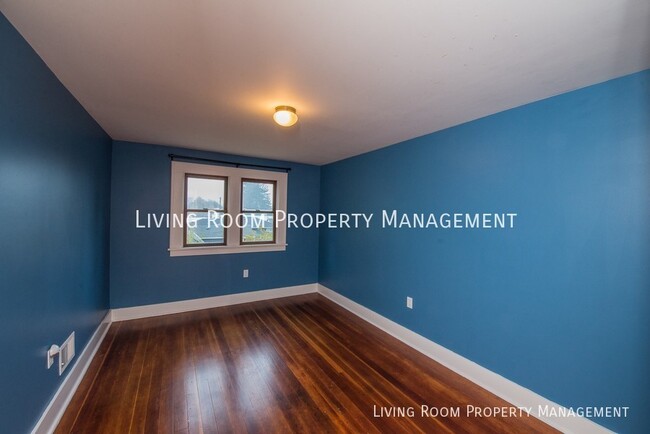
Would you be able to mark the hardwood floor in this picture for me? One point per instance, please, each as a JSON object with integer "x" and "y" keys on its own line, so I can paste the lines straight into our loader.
{"x": 299, "y": 364}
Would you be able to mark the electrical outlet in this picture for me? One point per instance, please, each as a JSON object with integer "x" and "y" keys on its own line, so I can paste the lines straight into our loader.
{"x": 245, "y": 273}
{"x": 409, "y": 302}
{"x": 65, "y": 353}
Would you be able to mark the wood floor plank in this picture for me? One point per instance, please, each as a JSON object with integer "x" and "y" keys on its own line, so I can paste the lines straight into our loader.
{"x": 311, "y": 367}
{"x": 299, "y": 364}
{"x": 368, "y": 385}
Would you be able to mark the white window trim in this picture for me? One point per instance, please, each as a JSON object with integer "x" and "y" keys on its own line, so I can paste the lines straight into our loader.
{"x": 234, "y": 175}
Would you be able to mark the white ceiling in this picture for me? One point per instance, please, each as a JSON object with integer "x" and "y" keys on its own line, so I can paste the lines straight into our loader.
{"x": 362, "y": 74}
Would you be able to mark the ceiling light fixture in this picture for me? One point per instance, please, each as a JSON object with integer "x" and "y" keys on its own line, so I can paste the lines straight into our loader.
{"x": 285, "y": 115}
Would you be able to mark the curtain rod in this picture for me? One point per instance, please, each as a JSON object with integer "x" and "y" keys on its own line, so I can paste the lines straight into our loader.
{"x": 231, "y": 163}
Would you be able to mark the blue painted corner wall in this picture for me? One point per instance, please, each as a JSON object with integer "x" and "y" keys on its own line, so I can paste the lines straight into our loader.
{"x": 561, "y": 303}
{"x": 54, "y": 215}
{"x": 142, "y": 272}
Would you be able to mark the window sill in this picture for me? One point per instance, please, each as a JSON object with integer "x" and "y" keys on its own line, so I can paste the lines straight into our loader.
{"x": 222, "y": 250}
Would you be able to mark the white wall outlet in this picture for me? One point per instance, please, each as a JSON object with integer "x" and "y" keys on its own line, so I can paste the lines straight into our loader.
{"x": 245, "y": 273}
{"x": 65, "y": 353}
{"x": 409, "y": 302}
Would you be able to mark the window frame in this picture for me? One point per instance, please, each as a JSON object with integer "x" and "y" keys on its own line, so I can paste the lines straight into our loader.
{"x": 234, "y": 175}
{"x": 272, "y": 212}
{"x": 186, "y": 211}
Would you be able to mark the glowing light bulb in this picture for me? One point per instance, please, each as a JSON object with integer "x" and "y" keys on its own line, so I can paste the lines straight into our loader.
{"x": 285, "y": 115}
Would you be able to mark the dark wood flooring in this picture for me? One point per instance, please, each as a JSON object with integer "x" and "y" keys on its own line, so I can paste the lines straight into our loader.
{"x": 299, "y": 364}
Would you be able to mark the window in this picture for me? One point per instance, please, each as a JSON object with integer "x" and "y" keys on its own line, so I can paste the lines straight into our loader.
{"x": 257, "y": 211}
{"x": 205, "y": 204}
{"x": 225, "y": 210}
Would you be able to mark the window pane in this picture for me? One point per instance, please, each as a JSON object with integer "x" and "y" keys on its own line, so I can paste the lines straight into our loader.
{"x": 205, "y": 193}
{"x": 257, "y": 196}
{"x": 204, "y": 228}
{"x": 258, "y": 228}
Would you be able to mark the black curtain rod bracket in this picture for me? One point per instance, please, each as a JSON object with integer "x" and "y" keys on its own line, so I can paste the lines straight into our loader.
{"x": 229, "y": 163}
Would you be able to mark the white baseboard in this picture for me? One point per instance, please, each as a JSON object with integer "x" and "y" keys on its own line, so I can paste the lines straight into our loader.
{"x": 515, "y": 394}
{"x": 57, "y": 406}
{"x": 128, "y": 313}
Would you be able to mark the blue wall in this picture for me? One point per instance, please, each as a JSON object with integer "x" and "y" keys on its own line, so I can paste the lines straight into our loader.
{"x": 560, "y": 304}
{"x": 54, "y": 215}
{"x": 142, "y": 272}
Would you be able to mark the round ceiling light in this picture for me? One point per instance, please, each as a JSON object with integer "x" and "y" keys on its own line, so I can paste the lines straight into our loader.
{"x": 285, "y": 115}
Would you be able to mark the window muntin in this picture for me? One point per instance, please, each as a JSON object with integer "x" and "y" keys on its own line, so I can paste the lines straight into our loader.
{"x": 205, "y": 202}
{"x": 258, "y": 205}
